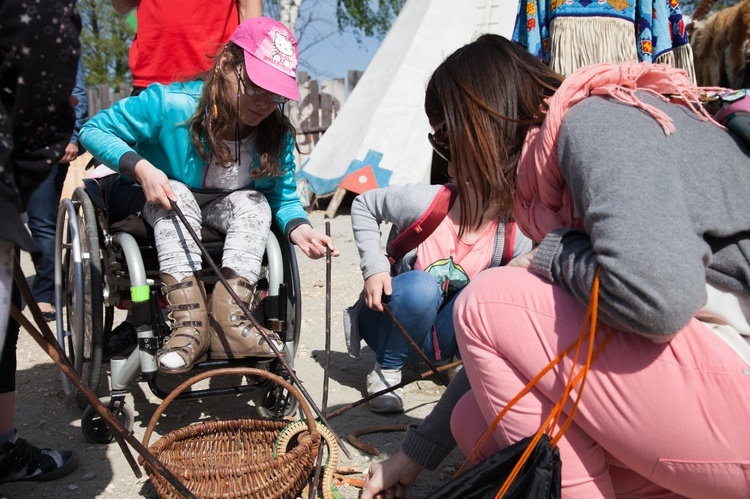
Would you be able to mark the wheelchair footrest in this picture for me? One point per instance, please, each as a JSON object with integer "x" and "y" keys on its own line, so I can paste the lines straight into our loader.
{"x": 149, "y": 343}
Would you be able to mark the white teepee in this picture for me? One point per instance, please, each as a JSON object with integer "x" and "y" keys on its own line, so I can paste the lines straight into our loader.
{"x": 382, "y": 124}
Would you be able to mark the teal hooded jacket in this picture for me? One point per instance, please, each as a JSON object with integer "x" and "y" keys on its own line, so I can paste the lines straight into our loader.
{"x": 154, "y": 125}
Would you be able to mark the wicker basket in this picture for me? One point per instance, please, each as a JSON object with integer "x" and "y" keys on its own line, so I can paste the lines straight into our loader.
{"x": 234, "y": 458}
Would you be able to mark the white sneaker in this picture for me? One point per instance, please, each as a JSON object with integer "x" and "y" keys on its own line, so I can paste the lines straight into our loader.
{"x": 454, "y": 370}
{"x": 380, "y": 379}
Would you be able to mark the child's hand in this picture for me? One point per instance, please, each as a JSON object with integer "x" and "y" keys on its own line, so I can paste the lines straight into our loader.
{"x": 155, "y": 184}
{"x": 376, "y": 286}
{"x": 311, "y": 242}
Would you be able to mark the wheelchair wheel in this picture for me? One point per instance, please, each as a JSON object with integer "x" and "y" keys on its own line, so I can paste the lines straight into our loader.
{"x": 95, "y": 429}
{"x": 293, "y": 293}
{"x": 282, "y": 267}
{"x": 78, "y": 268}
{"x": 277, "y": 402}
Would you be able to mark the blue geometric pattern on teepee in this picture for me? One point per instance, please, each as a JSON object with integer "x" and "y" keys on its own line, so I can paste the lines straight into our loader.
{"x": 322, "y": 186}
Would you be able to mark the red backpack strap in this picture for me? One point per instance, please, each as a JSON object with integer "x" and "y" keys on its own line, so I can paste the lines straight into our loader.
{"x": 425, "y": 225}
{"x": 509, "y": 240}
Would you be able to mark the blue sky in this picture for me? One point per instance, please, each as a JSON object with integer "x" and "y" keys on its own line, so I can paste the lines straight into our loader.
{"x": 335, "y": 54}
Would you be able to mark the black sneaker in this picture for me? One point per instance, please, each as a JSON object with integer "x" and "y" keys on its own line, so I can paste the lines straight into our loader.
{"x": 121, "y": 338}
{"x": 21, "y": 461}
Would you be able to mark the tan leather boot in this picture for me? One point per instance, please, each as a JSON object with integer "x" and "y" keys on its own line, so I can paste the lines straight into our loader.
{"x": 190, "y": 327}
{"x": 233, "y": 335}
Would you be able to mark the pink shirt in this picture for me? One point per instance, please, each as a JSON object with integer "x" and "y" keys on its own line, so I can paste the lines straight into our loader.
{"x": 451, "y": 261}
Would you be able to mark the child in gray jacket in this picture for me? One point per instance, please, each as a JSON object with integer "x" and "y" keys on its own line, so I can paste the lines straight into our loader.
{"x": 432, "y": 253}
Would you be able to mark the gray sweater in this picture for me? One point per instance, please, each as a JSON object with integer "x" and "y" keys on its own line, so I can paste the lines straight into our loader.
{"x": 662, "y": 215}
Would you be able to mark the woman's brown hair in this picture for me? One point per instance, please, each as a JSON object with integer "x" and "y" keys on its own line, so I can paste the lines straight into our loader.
{"x": 489, "y": 93}
{"x": 217, "y": 117}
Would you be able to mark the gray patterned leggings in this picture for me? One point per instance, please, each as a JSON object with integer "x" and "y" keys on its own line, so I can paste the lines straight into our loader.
{"x": 244, "y": 216}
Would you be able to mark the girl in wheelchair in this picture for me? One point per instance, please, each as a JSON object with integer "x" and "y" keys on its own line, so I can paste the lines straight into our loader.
{"x": 221, "y": 147}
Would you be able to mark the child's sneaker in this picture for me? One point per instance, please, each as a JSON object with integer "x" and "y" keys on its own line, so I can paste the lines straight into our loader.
{"x": 20, "y": 461}
{"x": 380, "y": 379}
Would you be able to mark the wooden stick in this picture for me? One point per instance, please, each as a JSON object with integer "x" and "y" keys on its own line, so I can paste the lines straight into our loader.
{"x": 414, "y": 345}
{"x": 44, "y": 337}
{"x": 326, "y": 367}
{"x": 378, "y": 428}
{"x": 426, "y": 374}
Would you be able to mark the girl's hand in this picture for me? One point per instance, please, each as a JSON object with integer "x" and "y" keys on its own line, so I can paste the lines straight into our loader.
{"x": 390, "y": 478}
{"x": 311, "y": 242}
{"x": 155, "y": 184}
{"x": 376, "y": 286}
{"x": 523, "y": 260}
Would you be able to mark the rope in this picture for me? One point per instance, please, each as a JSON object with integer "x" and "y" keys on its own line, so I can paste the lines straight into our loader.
{"x": 297, "y": 427}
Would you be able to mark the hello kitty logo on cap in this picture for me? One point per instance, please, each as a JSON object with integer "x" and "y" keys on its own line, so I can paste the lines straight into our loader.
{"x": 270, "y": 55}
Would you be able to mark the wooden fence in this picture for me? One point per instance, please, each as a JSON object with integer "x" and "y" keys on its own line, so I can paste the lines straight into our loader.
{"x": 319, "y": 104}
{"x": 102, "y": 96}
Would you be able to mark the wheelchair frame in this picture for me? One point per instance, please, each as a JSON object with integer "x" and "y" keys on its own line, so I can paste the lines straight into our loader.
{"x": 93, "y": 265}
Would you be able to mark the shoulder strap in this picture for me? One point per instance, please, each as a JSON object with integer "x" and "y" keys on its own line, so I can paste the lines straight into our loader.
{"x": 425, "y": 225}
{"x": 509, "y": 240}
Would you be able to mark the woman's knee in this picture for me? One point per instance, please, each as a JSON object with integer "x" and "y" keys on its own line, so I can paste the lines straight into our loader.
{"x": 416, "y": 289}
{"x": 516, "y": 295}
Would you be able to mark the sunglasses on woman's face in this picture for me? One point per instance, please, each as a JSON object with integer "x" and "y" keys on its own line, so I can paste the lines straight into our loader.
{"x": 439, "y": 141}
{"x": 252, "y": 90}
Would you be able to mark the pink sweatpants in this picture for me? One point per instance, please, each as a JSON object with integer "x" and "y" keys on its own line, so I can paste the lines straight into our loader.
{"x": 655, "y": 420}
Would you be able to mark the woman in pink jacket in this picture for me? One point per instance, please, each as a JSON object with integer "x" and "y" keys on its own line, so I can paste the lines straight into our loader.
{"x": 617, "y": 170}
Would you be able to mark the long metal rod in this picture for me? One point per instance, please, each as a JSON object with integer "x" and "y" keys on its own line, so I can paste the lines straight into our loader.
{"x": 44, "y": 337}
{"x": 255, "y": 323}
{"x": 326, "y": 367}
{"x": 414, "y": 345}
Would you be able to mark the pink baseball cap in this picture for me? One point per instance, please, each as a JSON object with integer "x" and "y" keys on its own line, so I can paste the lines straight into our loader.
{"x": 270, "y": 55}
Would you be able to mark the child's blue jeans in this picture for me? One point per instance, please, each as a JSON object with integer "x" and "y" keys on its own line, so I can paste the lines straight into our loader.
{"x": 416, "y": 302}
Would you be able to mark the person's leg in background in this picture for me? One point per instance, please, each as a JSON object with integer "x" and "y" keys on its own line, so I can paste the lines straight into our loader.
{"x": 42, "y": 213}
{"x": 20, "y": 460}
{"x": 36, "y": 122}
{"x": 643, "y": 413}
{"x": 415, "y": 302}
{"x": 7, "y": 255}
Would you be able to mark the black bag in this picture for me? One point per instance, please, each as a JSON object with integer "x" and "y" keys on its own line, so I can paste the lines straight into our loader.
{"x": 538, "y": 479}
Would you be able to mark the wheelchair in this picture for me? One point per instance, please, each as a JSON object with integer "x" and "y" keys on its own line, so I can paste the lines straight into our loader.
{"x": 100, "y": 266}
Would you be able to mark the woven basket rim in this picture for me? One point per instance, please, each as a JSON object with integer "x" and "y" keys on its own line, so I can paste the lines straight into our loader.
{"x": 159, "y": 448}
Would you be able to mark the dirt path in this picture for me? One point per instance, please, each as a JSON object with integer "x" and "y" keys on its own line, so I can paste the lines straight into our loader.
{"x": 45, "y": 416}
